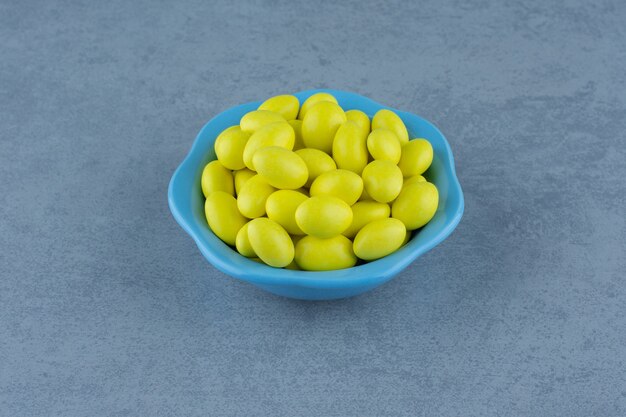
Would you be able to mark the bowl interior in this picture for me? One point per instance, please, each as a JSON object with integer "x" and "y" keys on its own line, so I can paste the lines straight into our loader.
{"x": 187, "y": 204}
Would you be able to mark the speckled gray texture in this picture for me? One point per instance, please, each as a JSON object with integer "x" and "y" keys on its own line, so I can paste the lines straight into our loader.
{"x": 108, "y": 309}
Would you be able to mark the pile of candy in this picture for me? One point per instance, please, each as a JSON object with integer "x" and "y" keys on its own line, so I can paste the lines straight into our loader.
{"x": 315, "y": 187}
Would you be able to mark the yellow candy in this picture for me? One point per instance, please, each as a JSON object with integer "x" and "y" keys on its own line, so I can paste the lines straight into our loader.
{"x": 383, "y": 144}
{"x": 276, "y": 134}
{"x": 389, "y": 120}
{"x": 315, "y": 254}
{"x": 320, "y": 125}
{"x": 323, "y": 216}
{"x": 297, "y": 129}
{"x": 339, "y": 183}
{"x": 416, "y": 205}
{"x": 216, "y": 178}
{"x": 317, "y": 163}
{"x": 417, "y": 155}
{"x": 241, "y": 176}
{"x": 242, "y": 243}
{"x": 382, "y": 180}
{"x": 286, "y": 105}
{"x": 282, "y": 168}
{"x": 349, "y": 147}
{"x": 270, "y": 242}
{"x": 361, "y": 119}
{"x": 281, "y": 207}
{"x": 256, "y": 119}
{"x": 229, "y": 147}
{"x": 379, "y": 238}
{"x": 412, "y": 180}
{"x": 253, "y": 195}
{"x": 365, "y": 212}
{"x": 224, "y": 218}
{"x": 314, "y": 99}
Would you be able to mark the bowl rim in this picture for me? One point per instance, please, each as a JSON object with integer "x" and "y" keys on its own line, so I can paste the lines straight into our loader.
{"x": 367, "y": 274}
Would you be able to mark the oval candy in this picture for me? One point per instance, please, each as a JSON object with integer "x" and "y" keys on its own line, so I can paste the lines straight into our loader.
{"x": 256, "y": 119}
{"x": 251, "y": 200}
{"x": 339, "y": 183}
{"x": 416, "y": 205}
{"x": 315, "y": 254}
{"x": 382, "y": 180}
{"x": 313, "y": 100}
{"x": 270, "y": 242}
{"x": 361, "y": 119}
{"x": 389, "y": 120}
{"x": 286, "y": 105}
{"x": 383, "y": 144}
{"x": 241, "y": 176}
{"x": 215, "y": 177}
{"x": 242, "y": 243}
{"x": 417, "y": 155}
{"x": 223, "y": 217}
{"x": 281, "y": 167}
{"x": 349, "y": 147}
{"x": 317, "y": 162}
{"x": 320, "y": 125}
{"x": 379, "y": 238}
{"x": 276, "y": 134}
{"x": 364, "y": 212}
{"x": 281, "y": 207}
{"x": 323, "y": 216}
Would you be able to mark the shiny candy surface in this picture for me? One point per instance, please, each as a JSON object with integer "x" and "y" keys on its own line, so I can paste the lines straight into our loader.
{"x": 314, "y": 99}
{"x": 276, "y": 134}
{"x": 320, "y": 125}
{"x": 285, "y": 105}
{"x": 254, "y": 120}
{"x": 389, "y": 120}
{"x": 270, "y": 242}
{"x": 339, "y": 183}
{"x": 417, "y": 155}
{"x": 382, "y": 180}
{"x": 379, "y": 238}
{"x": 323, "y": 216}
{"x": 317, "y": 163}
{"x": 254, "y": 193}
{"x": 416, "y": 205}
{"x": 350, "y": 148}
{"x": 229, "y": 147}
{"x": 215, "y": 177}
{"x": 224, "y": 218}
{"x": 281, "y": 167}
{"x": 364, "y": 212}
{"x": 361, "y": 119}
{"x": 241, "y": 176}
{"x": 315, "y": 254}
{"x": 242, "y": 243}
{"x": 383, "y": 144}
{"x": 281, "y": 207}
{"x": 412, "y": 180}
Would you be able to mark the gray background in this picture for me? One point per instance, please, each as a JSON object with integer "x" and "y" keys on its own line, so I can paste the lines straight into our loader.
{"x": 108, "y": 308}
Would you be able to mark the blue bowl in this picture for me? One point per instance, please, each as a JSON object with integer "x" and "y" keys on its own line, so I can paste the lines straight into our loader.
{"x": 187, "y": 205}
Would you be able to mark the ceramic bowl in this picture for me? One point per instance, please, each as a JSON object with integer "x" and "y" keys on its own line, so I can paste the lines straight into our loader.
{"x": 187, "y": 205}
